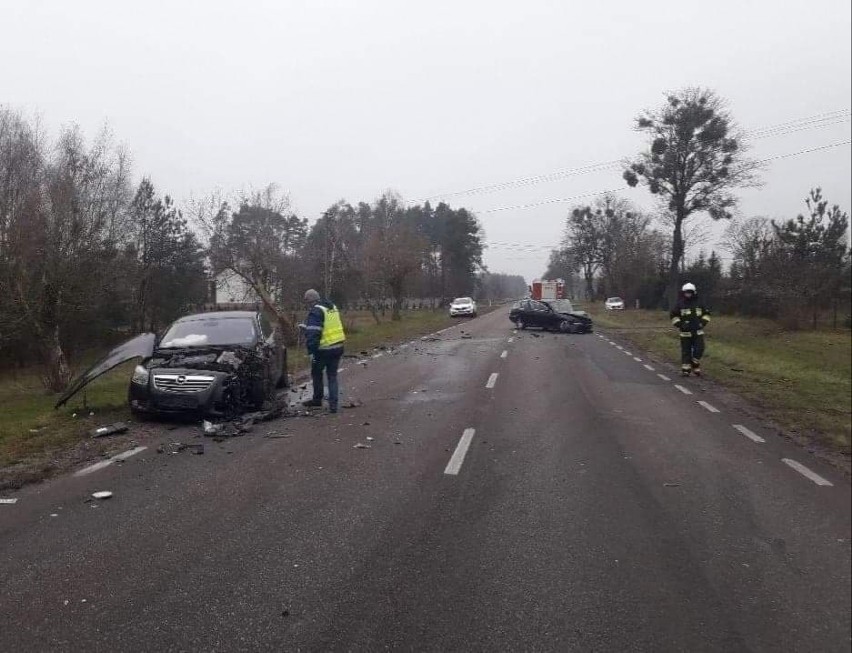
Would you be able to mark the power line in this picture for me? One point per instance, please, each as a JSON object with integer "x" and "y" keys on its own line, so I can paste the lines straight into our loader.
{"x": 817, "y": 121}
{"x": 621, "y": 190}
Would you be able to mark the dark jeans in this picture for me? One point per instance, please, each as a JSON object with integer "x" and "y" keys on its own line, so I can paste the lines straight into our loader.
{"x": 328, "y": 361}
{"x": 691, "y": 350}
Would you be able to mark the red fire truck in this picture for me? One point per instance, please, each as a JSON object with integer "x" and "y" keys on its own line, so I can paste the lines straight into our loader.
{"x": 547, "y": 289}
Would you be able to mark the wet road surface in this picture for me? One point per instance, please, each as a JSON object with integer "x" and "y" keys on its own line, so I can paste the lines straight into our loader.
{"x": 526, "y": 491}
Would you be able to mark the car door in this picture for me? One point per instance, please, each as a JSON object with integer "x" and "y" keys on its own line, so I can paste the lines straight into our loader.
{"x": 539, "y": 314}
{"x": 526, "y": 313}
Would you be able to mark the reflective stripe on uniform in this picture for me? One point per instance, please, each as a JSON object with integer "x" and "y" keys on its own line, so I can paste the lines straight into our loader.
{"x": 685, "y": 334}
{"x": 706, "y": 318}
{"x": 699, "y": 333}
{"x": 332, "y": 329}
{"x": 675, "y": 320}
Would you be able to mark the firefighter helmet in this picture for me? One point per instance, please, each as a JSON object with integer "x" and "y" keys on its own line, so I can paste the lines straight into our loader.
{"x": 688, "y": 287}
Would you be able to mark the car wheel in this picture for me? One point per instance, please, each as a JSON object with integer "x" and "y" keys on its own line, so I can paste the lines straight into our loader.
{"x": 521, "y": 324}
{"x": 565, "y": 326}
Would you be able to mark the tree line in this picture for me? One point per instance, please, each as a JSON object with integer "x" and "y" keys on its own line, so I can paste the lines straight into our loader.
{"x": 694, "y": 160}
{"x": 87, "y": 258}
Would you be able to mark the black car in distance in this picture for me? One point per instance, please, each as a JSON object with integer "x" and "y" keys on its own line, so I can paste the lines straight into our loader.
{"x": 551, "y": 315}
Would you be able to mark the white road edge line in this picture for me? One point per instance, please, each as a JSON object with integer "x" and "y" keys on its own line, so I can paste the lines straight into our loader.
{"x": 627, "y": 353}
{"x": 637, "y": 359}
{"x": 751, "y": 435}
{"x": 709, "y": 407}
{"x": 683, "y": 390}
{"x": 504, "y": 354}
{"x": 648, "y": 367}
{"x": 492, "y": 380}
{"x": 379, "y": 355}
{"x": 454, "y": 466}
{"x": 664, "y": 377}
{"x": 619, "y": 347}
{"x": 804, "y": 471}
{"x": 109, "y": 461}
{"x": 511, "y": 340}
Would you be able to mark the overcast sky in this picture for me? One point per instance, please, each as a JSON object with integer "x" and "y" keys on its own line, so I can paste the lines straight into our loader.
{"x": 346, "y": 99}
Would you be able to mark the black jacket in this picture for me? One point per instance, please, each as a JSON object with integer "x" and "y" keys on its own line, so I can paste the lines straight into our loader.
{"x": 690, "y": 315}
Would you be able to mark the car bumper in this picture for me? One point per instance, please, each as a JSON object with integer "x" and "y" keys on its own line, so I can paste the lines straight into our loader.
{"x": 462, "y": 311}
{"x": 209, "y": 401}
{"x": 615, "y": 308}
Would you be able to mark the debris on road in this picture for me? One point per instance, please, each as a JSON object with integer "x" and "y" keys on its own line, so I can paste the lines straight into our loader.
{"x": 370, "y": 438}
{"x": 273, "y": 435}
{"x": 466, "y": 336}
{"x": 8, "y": 502}
{"x": 361, "y": 445}
{"x": 209, "y": 428}
{"x": 430, "y": 339}
{"x": 671, "y": 484}
{"x": 353, "y": 403}
{"x": 102, "y": 495}
{"x": 196, "y": 449}
{"x": 110, "y": 429}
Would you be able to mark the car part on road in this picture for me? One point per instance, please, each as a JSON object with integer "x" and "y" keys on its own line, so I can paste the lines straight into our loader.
{"x": 8, "y": 501}
{"x": 112, "y": 429}
{"x": 102, "y": 495}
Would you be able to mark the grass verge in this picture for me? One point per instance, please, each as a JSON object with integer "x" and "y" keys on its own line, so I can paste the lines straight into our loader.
{"x": 802, "y": 380}
{"x": 37, "y": 441}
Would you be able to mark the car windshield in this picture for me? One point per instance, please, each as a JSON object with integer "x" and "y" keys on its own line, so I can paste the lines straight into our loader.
{"x": 462, "y": 300}
{"x": 614, "y": 300}
{"x": 213, "y": 331}
{"x": 561, "y": 305}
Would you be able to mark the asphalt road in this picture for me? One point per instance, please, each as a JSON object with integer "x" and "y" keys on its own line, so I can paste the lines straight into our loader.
{"x": 597, "y": 507}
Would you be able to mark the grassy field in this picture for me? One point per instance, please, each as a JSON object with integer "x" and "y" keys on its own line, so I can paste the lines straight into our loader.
{"x": 802, "y": 379}
{"x": 33, "y": 435}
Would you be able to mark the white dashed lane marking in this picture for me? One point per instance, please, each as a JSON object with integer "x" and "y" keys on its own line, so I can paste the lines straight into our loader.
{"x": 454, "y": 466}
{"x": 664, "y": 377}
{"x": 807, "y": 473}
{"x": 511, "y": 340}
{"x": 492, "y": 380}
{"x": 109, "y": 461}
{"x": 619, "y": 347}
{"x": 648, "y": 367}
{"x": 709, "y": 407}
{"x": 751, "y": 435}
{"x": 637, "y": 359}
{"x": 504, "y": 354}
{"x": 683, "y": 390}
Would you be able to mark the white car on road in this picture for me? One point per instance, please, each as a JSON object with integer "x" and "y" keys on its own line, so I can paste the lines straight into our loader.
{"x": 614, "y": 304}
{"x": 463, "y": 306}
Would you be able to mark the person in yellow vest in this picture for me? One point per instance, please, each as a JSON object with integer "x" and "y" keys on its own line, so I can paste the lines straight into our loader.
{"x": 324, "y": 337}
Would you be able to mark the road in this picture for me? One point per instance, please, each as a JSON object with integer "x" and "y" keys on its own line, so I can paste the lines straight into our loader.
{"x": 597, "y": 507}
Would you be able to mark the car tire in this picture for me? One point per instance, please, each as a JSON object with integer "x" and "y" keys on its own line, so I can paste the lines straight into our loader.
{"x": 521, "y": 324}
{"x": 566, "y": 327}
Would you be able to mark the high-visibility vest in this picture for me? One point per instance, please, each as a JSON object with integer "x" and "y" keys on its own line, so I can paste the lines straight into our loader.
{"x": 332, "y": 328}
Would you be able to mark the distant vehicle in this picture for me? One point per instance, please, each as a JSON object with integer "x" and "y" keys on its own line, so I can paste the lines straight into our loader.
{"x": 555, "y": 315}
{"x": 614, "y": 304}
{"x": 544, "y": 289}
{"x": 217, "y": 364}
{"x": 463, "y": 306}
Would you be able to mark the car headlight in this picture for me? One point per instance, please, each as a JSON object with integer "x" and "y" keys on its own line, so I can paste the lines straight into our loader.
{"x": 140, "y": 376}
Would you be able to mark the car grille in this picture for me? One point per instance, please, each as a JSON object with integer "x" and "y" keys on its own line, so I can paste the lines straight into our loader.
{"x": 182, "y": 383}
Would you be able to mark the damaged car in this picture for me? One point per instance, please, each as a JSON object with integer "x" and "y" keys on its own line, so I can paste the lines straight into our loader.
{"x": 211, "y": 364}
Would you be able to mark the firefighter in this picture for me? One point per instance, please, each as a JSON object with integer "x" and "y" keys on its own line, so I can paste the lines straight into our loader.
{"x": 324, "y": 337}
{"x": 690, "y": 317}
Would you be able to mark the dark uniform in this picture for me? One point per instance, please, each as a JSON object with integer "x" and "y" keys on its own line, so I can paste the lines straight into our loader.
{"x": 690, "y": 316}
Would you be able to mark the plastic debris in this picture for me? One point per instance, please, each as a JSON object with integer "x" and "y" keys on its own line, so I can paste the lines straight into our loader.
{"x": 110, "y": 429}
{"x": 274, "y": 435}
{"x": 210, "y": 428}
{"x": 361, "y": 445}
{"x": 353, "y": 403}
{"x": 102, "y": 495}
{"x": 370, "y": 439}
{"x": 8, "y": 502}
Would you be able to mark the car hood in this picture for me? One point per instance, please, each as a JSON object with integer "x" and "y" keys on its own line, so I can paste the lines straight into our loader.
{"x": 141, "y": 346}
{"x": 581, "y": 314}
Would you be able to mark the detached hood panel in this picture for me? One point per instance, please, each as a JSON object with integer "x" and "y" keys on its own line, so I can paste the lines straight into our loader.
{"x": 141, "y": 346}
